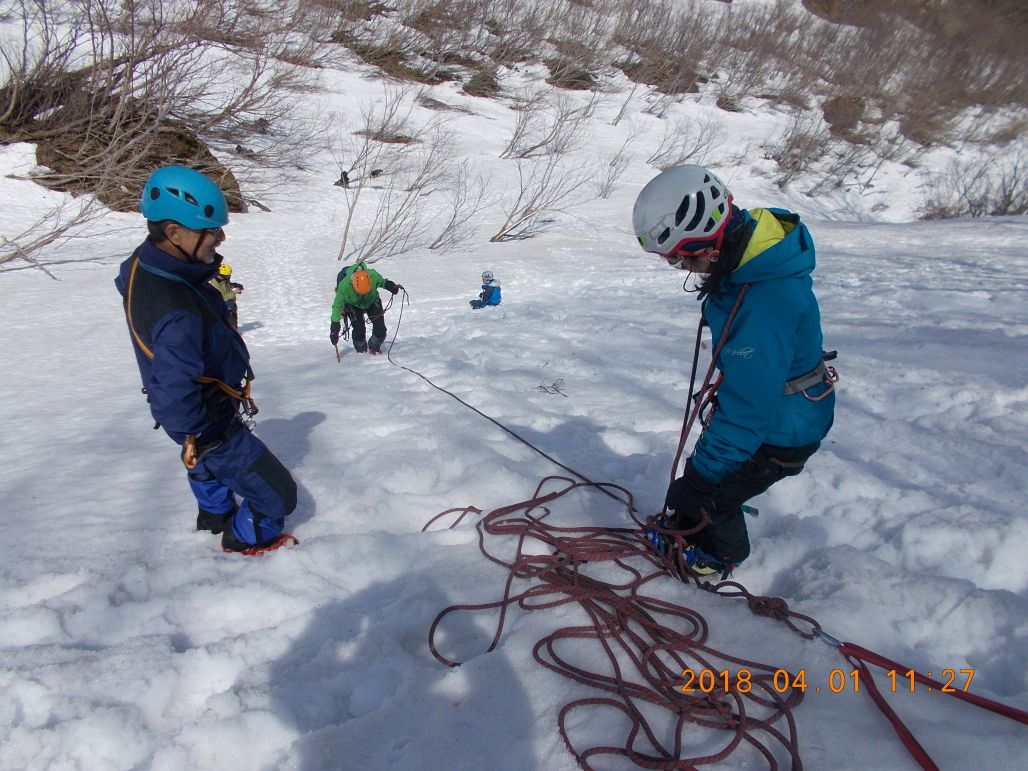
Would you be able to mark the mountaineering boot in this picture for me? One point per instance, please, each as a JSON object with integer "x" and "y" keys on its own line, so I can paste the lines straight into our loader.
{"x": 231, "y": 544}
{"x": 214, "y": 523}
{"x": 697, "y": 561}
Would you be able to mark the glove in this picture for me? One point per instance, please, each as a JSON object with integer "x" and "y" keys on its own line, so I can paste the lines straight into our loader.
{"x": 333, "y": 332}
{"x": 687, "y": 495}
{"x": 399, "y": 288}
{"x": 189, "y": 456}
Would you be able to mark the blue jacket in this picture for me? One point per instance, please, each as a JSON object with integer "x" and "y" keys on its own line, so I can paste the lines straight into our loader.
{"x": 180, "y": 320}
{"x": 775, "y": 337}
{"x": 490, "y": 295}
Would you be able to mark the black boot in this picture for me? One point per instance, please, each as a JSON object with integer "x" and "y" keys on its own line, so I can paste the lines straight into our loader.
{"x": 214, "y": 523}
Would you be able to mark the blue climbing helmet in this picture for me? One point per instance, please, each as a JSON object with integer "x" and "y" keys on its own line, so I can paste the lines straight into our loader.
{"x": 185, "y": 196}
{"x": 488, "y": 277}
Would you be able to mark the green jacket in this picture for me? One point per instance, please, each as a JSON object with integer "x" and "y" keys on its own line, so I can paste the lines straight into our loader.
{"x": 345, "y": 294}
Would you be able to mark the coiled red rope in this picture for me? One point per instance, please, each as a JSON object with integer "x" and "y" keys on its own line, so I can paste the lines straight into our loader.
{"x": 648, "y": 642}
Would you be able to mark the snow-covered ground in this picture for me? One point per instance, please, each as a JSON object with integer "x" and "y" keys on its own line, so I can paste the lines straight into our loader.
{"x": 130, "y": 641}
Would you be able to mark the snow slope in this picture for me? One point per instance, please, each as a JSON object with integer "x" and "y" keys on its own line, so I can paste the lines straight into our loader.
{"x": 132, "y": 642}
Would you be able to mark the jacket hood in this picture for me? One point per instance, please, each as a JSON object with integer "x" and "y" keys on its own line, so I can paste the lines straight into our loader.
{"x": 780, "y": 247}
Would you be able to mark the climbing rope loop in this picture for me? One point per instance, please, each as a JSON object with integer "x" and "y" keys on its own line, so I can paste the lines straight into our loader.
{"x": 644, "y": 642}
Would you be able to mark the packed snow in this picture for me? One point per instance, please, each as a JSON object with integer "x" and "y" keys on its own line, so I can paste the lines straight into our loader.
{"x": 131, "y": 641}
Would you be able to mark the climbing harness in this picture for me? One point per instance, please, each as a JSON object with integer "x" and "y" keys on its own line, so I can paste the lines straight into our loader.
{"x": 822, "y": 373}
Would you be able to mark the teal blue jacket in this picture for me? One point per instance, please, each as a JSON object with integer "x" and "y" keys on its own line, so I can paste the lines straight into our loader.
{"x": 775, "y": 337}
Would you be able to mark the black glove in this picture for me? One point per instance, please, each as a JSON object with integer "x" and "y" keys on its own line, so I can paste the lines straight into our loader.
{"x": 687, "y": 495}
{"x": 392, "y": 287}
{"x": 333, "y": 332}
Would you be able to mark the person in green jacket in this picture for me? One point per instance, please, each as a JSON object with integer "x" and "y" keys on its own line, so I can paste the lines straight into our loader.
{"x": 356, "y": 296}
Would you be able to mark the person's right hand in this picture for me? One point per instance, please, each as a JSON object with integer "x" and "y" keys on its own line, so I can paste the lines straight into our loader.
{"x": 333, "y": 332}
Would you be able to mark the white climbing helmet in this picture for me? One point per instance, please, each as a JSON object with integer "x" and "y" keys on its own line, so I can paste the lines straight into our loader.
{"x": 488, "y": 277}
{"x": 681, "y": 204}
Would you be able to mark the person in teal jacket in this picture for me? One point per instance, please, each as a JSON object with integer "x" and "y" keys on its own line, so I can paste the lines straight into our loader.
{"x": 356, "y": 295}
{"x": 775, "y": 401}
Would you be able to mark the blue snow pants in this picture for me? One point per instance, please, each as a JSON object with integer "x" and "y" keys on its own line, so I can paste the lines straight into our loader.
{"x": 242, "y": 465}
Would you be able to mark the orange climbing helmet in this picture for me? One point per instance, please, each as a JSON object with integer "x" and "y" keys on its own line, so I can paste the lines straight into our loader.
{"x": 361, "y": 281}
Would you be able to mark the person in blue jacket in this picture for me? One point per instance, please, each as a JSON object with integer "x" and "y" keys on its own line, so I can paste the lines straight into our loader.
{"x": 775, "y": 401}
{"x": 195, "y": 367}
{"x": 490, "y": 294}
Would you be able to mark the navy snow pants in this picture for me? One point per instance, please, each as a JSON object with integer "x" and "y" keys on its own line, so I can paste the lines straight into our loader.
{"x": 243, "y": 466}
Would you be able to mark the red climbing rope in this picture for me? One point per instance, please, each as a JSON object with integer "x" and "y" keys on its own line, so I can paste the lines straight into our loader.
{"x": 647, "y": 642}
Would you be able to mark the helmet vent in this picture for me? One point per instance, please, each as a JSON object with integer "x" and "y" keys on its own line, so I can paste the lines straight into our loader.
{"x": 695, "y": 221}
{"x": 208, "y": 211}
{"x": 706, "y": 178}
{"x": 155, "y": 193}
{"x": 683, "y": 209}
{"x": 665, "y": 234}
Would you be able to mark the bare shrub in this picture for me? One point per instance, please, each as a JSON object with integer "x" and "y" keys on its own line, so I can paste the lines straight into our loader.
{"x": 548, "y": 123}
{"x": 545, "y": 186}
{"x": 467, "y": 197}
{"x": 397, "y": 221}
{"x": 606, "y": 181}
{"x": 580, "y": 39}
{"x": 393, "y": 217}
{"x": 569, "y": 74}
{"x": 483, "y": 82}
{"x": 55, "y": 228}
{"x": 110, "y": 92}
{"x": 517, "y": 29}
{"x": 976, "y": 188}
{"x": 804, "y": 141}
{"x": 686, "y": 141}
{"x": 843, "y": 113}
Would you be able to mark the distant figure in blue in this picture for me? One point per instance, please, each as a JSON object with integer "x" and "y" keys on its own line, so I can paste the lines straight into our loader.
{"x": 490, "y": 294}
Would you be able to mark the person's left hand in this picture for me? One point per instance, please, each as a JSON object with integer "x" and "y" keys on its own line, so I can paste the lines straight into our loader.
{"x": 189, "y": 452}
